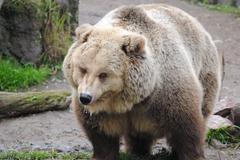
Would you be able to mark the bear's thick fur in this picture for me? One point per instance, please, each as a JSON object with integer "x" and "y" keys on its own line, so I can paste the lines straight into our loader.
{"x": 144, "y": 72}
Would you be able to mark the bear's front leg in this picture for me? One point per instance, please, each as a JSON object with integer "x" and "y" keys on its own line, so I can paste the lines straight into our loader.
{"x": 104, "y": 147}
{"x": 138, "y": 143}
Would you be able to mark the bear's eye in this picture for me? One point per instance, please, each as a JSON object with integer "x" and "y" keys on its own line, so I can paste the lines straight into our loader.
{"x": 83, "y": 70}
{"x": 102, "y": 76}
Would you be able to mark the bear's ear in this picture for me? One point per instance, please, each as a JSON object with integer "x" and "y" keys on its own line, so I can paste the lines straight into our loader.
{"x": 67, "y": 67}
{"x": 134, "y": 45}
{"x": 82, "y": 32}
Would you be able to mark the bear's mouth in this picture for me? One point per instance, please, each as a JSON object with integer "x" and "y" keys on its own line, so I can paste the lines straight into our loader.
{"x": 104, "y": 97}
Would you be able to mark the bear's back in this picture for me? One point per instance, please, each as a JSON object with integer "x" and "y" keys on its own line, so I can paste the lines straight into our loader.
{"x": 163, "y": 25}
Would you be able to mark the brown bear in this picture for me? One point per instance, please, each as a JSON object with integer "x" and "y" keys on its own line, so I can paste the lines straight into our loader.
{"x": 144, "y": 72}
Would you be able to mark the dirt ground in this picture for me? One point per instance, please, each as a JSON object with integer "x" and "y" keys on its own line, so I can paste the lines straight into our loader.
{"x": 59, "y": 130}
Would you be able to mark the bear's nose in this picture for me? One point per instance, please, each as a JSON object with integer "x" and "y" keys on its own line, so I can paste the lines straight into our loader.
{"x": 85, "y": 98}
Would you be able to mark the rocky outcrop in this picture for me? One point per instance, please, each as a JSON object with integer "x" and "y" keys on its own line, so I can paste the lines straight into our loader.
{"x": 225, "y": 2}
{"x": 20, "y": 34}
{"x": 23, "y": 26}
{"x": 236, "y": 3}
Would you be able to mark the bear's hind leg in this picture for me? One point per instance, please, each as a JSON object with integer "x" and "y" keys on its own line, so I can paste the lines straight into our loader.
{"x": 211, "y": 87}
{"x": 139, "y": 143}
{"x": 184, "y": 122}
{"x": 186, "y": 136}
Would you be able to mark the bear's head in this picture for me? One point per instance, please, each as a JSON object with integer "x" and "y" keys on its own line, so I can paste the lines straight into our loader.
{"x": 109, "y": 69}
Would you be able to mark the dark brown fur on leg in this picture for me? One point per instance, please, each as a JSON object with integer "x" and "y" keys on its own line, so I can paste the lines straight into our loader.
{"x": 185, "y": 124}
{"x": 139, "y": 143}
{"x": 104, "y": 147}
{"x": 187, "y": 138}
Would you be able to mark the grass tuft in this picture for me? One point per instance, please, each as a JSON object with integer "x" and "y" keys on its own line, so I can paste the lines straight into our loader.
{"x": 76, "y": 156}
{"x": 14, "y": 76}
{"x": 53, "y": 155}
{"x": 27, "y": 155}
{"x": 43, "y": 155}
{"x": 56, "y": 32}
{"x": 226, "y": 135}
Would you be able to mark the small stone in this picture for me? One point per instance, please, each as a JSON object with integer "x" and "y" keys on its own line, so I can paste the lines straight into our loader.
{"x": 53, "y": 79}
{"x": 217, "y": 144}
{"x": 36, "y": 147}
{"x": 63, "y": 148}
{"x": 1, "y": 148}
{"x": 85, "y": 146}
{"x": 216, "y": 121}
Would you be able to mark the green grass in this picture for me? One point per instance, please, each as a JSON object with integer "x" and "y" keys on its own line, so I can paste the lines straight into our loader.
{"x": 226, "y": 135}
{"x": 27, "y": 155}
{"x": 53, "y": 155}
{"x": 43, "y": 155}
{"x": 75, "y": 156}
{"x": 14, "y": 76}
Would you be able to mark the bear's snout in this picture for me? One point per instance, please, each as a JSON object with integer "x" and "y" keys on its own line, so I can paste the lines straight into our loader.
{"x": 85, "y": 99}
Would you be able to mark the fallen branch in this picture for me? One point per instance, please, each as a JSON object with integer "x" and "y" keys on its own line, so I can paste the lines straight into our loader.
{"x": 23, "y": 103}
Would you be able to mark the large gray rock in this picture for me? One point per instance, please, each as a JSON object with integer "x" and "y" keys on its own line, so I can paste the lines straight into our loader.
{"x": 20, "y": 33}
{"x": 226, "y": 2}
{"x": 216, "y": 121}
{"x": 212, "y": 1}
{"x": 236, "y": 3}
{"x": 1, "y": 2}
